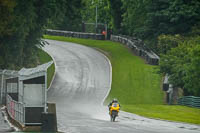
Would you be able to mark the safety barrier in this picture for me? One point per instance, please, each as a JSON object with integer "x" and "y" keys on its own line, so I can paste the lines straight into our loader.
{"x": 15, "y": 109}
{"x": 189, "y": 101}
{"x": 5, "y": 74}
{"x": 24, "y": 93}
{"x": 75, "y": 34}
{"x": 138, "y": 47}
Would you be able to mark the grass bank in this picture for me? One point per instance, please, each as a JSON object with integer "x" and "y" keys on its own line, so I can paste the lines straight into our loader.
{"x": 166, "y": 112}
{"x": 134, "y": 83}
{"x": 44, "y": 58}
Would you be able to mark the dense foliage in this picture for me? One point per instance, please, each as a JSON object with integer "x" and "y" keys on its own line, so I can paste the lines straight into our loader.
{"x": 116, "y": 12}
{"x": 146, "y": 19}
{"x": 22, "y": 23}
{"x": 95, "y": 11}
{"x": 68, "y": 15}
{"x": 170, "y": 27}
{"x": 182, "y": 64}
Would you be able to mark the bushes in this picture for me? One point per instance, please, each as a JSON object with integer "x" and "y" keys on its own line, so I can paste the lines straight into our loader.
{"x": 182, "y": 64}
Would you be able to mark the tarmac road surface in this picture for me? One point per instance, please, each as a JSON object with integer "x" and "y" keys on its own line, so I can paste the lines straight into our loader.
{"x": 82, "y": 81}
{"x": 4, "y": 126}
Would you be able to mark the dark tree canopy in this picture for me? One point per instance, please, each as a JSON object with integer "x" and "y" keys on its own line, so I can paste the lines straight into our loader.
{"x": 21, "y": 27}
{"x": 116, "y": 12}
{"x": 182, "y": 64}
{"x": 68, "y": 17}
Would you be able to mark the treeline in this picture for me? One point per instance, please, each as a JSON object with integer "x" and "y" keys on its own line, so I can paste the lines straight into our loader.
{"x": 170, "y": 27}
{"x": 21, "y": 28}
{"x": 22, "y": 24}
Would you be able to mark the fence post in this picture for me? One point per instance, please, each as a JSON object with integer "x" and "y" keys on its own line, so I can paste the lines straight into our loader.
{"x": 45, "y": 93}
{"x": 192, "y": 101}
{"x": 2, "y": 79}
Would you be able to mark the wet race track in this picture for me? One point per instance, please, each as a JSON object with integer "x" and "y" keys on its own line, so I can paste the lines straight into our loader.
{"x": 81, "y": 83}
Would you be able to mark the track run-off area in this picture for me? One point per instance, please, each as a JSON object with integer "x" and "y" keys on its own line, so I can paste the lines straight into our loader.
{"x": 82, "y": 81}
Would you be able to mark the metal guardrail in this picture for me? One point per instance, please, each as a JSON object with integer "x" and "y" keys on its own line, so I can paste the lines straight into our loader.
{"x": 191, "y": 101}
{"x": 75, "y": 34}
{"x": 15, "y": 109}
{"x": 138, "y": 47}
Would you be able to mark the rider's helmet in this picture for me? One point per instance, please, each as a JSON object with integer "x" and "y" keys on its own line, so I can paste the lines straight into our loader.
{"x": 114, "y": 100}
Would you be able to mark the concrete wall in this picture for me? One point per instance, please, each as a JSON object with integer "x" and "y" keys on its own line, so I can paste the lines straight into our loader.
{"x": 138, "y": 47}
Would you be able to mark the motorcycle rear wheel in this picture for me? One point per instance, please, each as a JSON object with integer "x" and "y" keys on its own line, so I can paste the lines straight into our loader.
{"x": 112, "y": 118}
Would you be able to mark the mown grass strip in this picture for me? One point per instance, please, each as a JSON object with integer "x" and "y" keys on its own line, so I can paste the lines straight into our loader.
{"x": 136, "y": 84}
{"x": 166, "y": 112}
{"x": 44, "y": 58}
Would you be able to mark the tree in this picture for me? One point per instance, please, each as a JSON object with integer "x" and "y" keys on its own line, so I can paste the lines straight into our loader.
{"x": 171, "y": 17}
{"x": 192, "y": 78}
{"x": 116, "y": 12}
{"x": 6, "y": 11}
{"x": 21, "y": 31}
{"x": 167, "y": 42}
{"x": 70, "y": 17}
{"x": 182, "y": 65}
{"x": 148, "y": 19}
{"x": 134, "y": 16}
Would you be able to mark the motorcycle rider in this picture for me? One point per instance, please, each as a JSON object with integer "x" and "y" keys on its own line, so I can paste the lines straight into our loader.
{"x": 113, "y": 101}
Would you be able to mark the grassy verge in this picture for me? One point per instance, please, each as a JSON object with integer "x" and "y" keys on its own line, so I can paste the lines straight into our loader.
{"x": 44, "y": 58}
{"x": 134, "y": 83}
{"x": 166, "y": 112}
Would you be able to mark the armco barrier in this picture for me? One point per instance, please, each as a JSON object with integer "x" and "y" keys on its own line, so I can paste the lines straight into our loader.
{"x": 15, "y": 109}
{"x": 75, "y": 34}
{"x": 138, "y": 47}
{"x": 189, "y": 101}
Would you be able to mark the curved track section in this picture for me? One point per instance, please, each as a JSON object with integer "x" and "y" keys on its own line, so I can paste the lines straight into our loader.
{"x": 81, "y": 82}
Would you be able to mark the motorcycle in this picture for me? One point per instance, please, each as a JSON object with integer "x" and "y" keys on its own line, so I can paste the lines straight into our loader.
{"x": 114, "y": 110}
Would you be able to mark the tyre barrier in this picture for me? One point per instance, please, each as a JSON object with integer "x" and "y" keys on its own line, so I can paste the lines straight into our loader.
{"x": 75, "y": 34}
{"x": 138, "y": 47}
